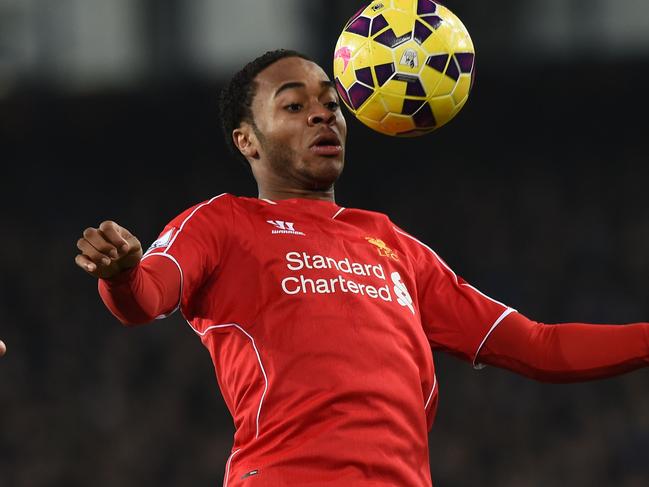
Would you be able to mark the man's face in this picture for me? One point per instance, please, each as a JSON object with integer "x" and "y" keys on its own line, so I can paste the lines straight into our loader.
{"x": 299, "y": 126}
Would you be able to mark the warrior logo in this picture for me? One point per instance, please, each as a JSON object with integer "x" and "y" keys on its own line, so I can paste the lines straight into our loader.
{"x": 384, "y": 250}
{"x": 284, "y": 228}
{"x": 410, "y": 58}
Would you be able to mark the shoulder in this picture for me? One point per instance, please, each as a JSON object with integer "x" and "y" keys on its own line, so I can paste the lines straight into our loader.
{"x": 218, "y": 207}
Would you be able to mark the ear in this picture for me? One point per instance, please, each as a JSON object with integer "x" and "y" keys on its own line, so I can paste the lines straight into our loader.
{"x": 245, "y": 140}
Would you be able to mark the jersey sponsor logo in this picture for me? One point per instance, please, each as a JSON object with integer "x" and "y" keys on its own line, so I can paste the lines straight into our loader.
{"x": 163, "y": 240}
{"x": 287, "y": 228}
{"x": 401, "y": 291}
{"x": 352, "y": 278}
{"x": 384, "y": 250}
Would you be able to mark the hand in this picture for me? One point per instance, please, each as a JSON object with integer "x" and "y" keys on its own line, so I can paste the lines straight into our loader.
{"x": 108, "y": 250}
{"x": 3, "y": 348}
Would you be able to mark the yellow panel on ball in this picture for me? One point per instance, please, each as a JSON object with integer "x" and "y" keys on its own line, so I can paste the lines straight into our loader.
{"x": 395, "y": 89}
{"x": 373, "y": 124}
{"x": 374, "y": 109}
{"x": 400, "y": 22}
{"x": 462, "y": 89}
{"x": 431, "y": 79}
{"x": 378, "y": 54}
{"x": 395, "y": 124}
{"x": 463, "y": 42}
{"x": 435, "y": 44}
{"x": 443, "y": 108}
{"x": 406, "y": 5}
{"x": 392, "y": 103}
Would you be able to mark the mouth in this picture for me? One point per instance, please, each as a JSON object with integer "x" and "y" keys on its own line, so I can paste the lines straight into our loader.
{"x": 327, "y": 144}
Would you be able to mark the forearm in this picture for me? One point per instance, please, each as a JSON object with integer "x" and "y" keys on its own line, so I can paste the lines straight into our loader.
{"x": 569, "y": 352}
{"x": 144, "y": 293}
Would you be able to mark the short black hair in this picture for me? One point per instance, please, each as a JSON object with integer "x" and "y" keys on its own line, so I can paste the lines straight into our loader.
{"x": 236, "y": 98}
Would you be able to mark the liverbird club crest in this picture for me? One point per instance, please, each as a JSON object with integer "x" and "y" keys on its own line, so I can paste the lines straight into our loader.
{"x": 384, "y": 250}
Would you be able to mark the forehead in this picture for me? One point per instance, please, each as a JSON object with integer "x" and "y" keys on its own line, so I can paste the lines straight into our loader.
{"x": 288, "y": 70}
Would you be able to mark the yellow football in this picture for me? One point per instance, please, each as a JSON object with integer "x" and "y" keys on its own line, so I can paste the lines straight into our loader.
{"x": 404, "y": 67}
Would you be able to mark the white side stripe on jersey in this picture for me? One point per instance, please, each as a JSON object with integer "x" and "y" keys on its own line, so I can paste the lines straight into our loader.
{"x": 505, "y": 314}
{"x": 254, "y": 346}
{"x": 227, "y": 468}
{"x": 189, "y": 218}
{"x": 430, "y": 396}
{"x": 182, "y": 280}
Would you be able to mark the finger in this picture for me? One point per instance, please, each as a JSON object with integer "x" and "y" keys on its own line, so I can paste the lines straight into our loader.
{"x": 3, "y": 348}
{"x": 85, "y": 263}
{"x": 98, "y": 258}
{"x": 116, "y": 235}
{"x": 97, "y": 239}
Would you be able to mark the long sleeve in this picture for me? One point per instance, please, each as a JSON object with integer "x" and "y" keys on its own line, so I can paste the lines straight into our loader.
{"x": 144, "y": 293}
{"x": 568, "y": 352}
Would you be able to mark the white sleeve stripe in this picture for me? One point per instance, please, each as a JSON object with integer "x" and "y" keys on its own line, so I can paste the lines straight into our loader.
{"x": 188, "y": 218}
{"x": 466, "y": 284}
{"x": 430, "y": 396}
{"x": 182, "y": 279}
{"x": 505, "y": 314}
{"x": 431, "y": 251}
{"x": 450, "y": 270}
{"x": 338, "y": 213}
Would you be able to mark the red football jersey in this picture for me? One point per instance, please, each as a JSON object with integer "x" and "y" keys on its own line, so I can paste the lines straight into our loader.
{"x": 321, "y": 322}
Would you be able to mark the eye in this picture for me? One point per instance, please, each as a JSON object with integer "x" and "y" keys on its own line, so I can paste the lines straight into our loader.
{"x": 293, "y": 107}
{"x": 332, "y": 105}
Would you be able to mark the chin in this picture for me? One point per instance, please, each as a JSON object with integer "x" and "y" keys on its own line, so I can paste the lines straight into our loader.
{"x": 324, "y": 173}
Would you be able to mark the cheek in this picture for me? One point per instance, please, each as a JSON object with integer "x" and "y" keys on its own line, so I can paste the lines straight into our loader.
{"x": 342, "y": 124}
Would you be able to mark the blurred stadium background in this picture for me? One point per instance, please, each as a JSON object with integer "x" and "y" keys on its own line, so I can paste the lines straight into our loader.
{"x": 536, "y": 193}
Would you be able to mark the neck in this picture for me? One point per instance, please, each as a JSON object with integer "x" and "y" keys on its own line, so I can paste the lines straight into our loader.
{"x": 283, "y": 194}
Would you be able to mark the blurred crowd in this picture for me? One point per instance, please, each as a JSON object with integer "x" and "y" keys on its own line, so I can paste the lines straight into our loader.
{"x": 536, "y": 194}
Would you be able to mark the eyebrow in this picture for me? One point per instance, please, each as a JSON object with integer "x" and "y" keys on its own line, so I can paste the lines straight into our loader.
{"x": 299, "y": 84}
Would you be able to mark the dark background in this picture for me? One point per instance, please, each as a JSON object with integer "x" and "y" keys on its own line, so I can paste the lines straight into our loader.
{"x": 536, "y": 194}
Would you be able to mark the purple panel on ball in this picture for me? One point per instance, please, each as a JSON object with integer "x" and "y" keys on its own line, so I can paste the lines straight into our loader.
{"x": 360, "y": 26}
{"x": 388, "y": 38}
{"x": 424, "y": 118}
{"x": 364, "y": 75}
{"x": 384, "y": 72}
{"x": 433, "y": 20}
{"x": 426, "y": 7}
{"x": 357, "y": 14}
{"x": 438, "y": 63}
{"x": 378, "y": 24}
{"x": 410, "y": 106}
{"x": 453, "y": 71}
{"x": 465, "y": 60}
{"x": 421, "y": 33}
{"x": 342, "y": 92}
{"x": 414, "y": 87}
{"x": 359, "y": 94}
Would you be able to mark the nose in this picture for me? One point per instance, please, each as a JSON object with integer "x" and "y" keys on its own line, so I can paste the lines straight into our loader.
{"x": 321, "y": 115}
